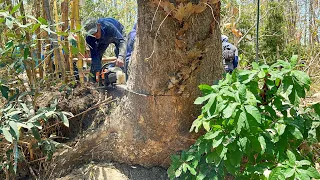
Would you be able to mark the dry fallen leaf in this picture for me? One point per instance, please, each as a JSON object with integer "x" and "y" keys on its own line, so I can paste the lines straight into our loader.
{"x": 236, "y": 32}
{"x": 179, "y": 12}
{"x": 180, "y": 43}
{"x": 167, "y": 6}
{"x": 199, "y": 8}
{"x": 213, "y": 1}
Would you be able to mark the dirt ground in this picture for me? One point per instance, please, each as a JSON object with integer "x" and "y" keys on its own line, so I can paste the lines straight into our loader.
{"x": 77, "y": 101}
{"x": 80, "y": 100}
{"x": 111, "y": 171}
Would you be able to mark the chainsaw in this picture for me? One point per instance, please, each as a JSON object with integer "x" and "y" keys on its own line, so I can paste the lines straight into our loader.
{"x": 110, "y": 75}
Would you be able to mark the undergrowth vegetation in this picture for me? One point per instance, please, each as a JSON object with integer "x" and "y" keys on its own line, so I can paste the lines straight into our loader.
{"x": 254, "y": 127}
{"x": 22, "y": 122}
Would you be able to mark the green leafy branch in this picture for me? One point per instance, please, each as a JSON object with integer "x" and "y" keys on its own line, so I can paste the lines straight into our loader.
{"x": 254, "y": 127}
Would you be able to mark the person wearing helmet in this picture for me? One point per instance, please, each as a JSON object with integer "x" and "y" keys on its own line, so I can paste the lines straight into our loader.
{"x": 100, "y": 33}
{"x": 229, "y": 55}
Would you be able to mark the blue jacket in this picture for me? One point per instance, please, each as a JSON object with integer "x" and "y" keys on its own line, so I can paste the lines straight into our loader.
{"x": 111, "y": 32}
{"x": 130, "y": 42}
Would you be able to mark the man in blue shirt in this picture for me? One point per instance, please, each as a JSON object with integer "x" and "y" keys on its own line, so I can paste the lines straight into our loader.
{"x": 229, "y": 55}
{"x": 101, "y": 33}
{"x": 130, "y": 46}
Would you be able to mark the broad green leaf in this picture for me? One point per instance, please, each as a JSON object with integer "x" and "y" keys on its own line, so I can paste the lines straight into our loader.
{"x": 35, "y": 27}
{"x": 242, "y": 122}
{"x": 227, "y": 112}
{"x": 303, "y": 163}
{"x": 9, "y": 23}
{"x": 216, "y": 142}
{"x": 302, "y": 174}
{"x": 235, "y": 157}
{"x": 288, "y": 172}
{"x": 200, "y": 100}
{"x": 64, "y": 119}
{"x": 262, "y": 74}
{"x": 178, "y": 172}
{"x": 262, "y": 144}
{"x": 15, "y": 128}
{"x": 12, "y": 113}
{"x": 36, "y": 117}
{"x": 206, "y": 125}
{"x": 276, "y": 174}
{"x": 4, "y": 91}
{"x": 7, "y": 134}
{"x": 242, "y": 143}
{"x": 316, "y": 108}
{"x": 26, "y": 53}
{"x": 15, "y": 8}
{"x": 280, "y": 128}
{"x": 205, "y": 88}
{"x": 312, "y": 172}
{"x": 302, "y": 78}
{"x": 74, "y": 50}
{"x": 255, "y": 66}
{"x": 211, "y": 135}
{"x": 292, "y": 157}
{"x": 211, "y": 101}
{"x": 184, "y": 167}
{"x": 42, "y": 21}
{"x": 242, "y": 91}
{"x": 294, "y": 97}
{"x": 36, "y": 133}
{"x": 192, "y": 170}
{"x": 294, "y": 60}
{"x": 254, "y": 112}
{"x": 25, "y": 108}
{"x": 49, "y": 114}
{"x": 296, "y": 133}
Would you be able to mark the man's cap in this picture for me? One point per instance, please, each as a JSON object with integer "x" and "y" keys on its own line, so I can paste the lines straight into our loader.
{"x": 224, "y": 38}
{"x": 90, "y": 26}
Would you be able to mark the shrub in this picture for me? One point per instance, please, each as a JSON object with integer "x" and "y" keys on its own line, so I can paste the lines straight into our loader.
{"x": 254, "y": 127}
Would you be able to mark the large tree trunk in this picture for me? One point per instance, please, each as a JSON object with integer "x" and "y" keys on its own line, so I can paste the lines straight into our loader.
{"x": 153, "y": 119}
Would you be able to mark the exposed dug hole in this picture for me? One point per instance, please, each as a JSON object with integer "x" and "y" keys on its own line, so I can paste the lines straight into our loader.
{"x": 78, "y": 101}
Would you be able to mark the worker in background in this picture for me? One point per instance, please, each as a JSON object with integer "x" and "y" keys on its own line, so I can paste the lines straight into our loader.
{"x": 229, "y": 55}
{"x": 100, "y": 33}
{"x": 130, "y": 47}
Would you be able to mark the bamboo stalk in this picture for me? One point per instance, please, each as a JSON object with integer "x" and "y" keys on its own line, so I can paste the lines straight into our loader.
{"x": 29, "y": 64}
{"x": 61, "y": 62}
{"x": 38, "y": 11}
{"x": 64, "y": 17}
{"x": 71, "y": 29}
{"x": 47, "y": 65}
{"x": 57, "y": 58}
{"x": 77, "y": 21}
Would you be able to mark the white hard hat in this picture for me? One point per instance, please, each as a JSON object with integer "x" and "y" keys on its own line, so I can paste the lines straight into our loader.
{"x": 224, "y": 38}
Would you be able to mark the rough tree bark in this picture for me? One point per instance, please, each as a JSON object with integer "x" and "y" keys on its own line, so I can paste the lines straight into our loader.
{"x": 172, "y": 57}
